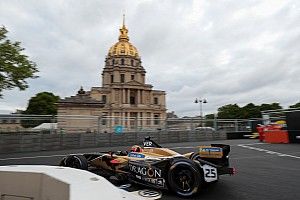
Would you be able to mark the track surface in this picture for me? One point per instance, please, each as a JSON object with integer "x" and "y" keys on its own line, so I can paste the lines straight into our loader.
{"x": 265, "y": 171}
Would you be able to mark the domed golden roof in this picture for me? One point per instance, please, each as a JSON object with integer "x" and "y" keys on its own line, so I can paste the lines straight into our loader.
{"x": 123, "y": 47}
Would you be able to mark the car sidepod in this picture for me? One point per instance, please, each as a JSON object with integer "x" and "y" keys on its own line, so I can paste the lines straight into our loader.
{"x": 148, "y": 172}
{"x": 180, "y": 175}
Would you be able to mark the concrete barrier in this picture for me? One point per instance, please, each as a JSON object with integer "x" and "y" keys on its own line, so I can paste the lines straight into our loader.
{"x": 29, "y": 142}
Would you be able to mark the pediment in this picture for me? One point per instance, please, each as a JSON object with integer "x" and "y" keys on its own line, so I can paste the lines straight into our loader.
{"x": 134, "y": 82}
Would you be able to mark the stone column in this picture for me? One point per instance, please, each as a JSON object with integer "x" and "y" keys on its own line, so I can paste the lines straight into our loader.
{"x": 128, "y": 96}
{"x": 122, "y": 118}
{"x": 138, "y": 118}
{"x": 141, "y": 99}
{"x": 138, "y": 96}
{"x": 128, "y": 120}
{"x": 152, "y": 119}
{"x": 123, "y": 96}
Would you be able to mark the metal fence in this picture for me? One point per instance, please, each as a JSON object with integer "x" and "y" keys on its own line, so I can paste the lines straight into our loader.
{"x": 108, "y": 124}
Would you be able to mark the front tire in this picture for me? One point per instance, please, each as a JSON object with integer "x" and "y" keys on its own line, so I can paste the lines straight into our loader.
{"x": 184, "y": 178}
{"x": 75, "y": 161}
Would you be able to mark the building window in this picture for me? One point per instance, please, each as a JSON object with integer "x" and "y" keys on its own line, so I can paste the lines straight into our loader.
{"x": 132, "y": 63}
{"x": 148, "y": 119}
{"x": 122, "y": 61}
{"x": 155, "y": 100}
{"x": 156, "y": 119}
{"x": 132, "y": 100}
{"x": 122, "y": 78}
{"x": 132, "y": 77}
{"x": 113, "y": 61}
{"x": 104, "y": 98}
{"x": 111, "y": 78}
{"x": 104, "y": 118}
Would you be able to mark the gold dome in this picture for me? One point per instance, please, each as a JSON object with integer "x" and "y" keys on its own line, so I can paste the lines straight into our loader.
{"x": 123, "y": 47}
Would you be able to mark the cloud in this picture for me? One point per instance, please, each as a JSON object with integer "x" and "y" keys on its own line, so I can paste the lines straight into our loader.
{"x": 227, "y": 52}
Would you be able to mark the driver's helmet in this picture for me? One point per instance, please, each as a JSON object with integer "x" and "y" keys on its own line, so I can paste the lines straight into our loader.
{"x": 136, "y": 148}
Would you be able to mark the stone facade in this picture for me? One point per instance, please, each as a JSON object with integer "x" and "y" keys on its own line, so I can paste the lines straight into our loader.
{"x": 124, "y": 95}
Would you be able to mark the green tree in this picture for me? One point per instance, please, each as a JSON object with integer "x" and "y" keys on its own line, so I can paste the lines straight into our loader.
{"x": 250, "y": 111}
{"x": 230, "y": 111}
{"x": 297, "y": 105}
{"x": 15, "y": 67}
{"x": 43, "y": 103}
{"x": 272, "y": 106}
{"x": 209, "y": 120}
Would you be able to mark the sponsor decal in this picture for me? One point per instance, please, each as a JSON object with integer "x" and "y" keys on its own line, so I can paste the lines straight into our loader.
{"x": 148, "y": 144}
{"x": 211, "y": 152}
{"x": 136, "y": 155}
{"x": 145, "y": 171}
{"x": 211, "y": 149}
{"x": 149, "y": 193}
{"x": 155, "y": 181}
{"x": 125, "y": 186}
{"x": 118, "y": 129}
{"x": 210, "y": 173}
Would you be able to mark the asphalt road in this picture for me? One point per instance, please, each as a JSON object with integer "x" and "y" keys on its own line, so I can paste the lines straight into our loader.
{"x": 265, "y": 171}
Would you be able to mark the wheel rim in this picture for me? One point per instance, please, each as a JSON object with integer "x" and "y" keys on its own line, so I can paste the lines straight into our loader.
{"x": 75, "y": 163}
{"x": 184, "y": 179}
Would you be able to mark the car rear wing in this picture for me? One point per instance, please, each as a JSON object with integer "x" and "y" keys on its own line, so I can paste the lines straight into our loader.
{"x": 215, "y": 151}
{"x": 225, "y": 148}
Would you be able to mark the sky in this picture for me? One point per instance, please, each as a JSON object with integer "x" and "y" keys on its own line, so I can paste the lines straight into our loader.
{"x": 224, "y": 51}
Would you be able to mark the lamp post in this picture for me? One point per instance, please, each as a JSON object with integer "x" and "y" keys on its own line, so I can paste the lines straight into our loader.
{"x": 200, "y": 101}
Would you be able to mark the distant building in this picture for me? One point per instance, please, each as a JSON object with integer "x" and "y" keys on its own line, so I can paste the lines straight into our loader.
{"x": 9, "y": 123}
{"x": 171, "y": 115}
{"x": 124, "y": 95}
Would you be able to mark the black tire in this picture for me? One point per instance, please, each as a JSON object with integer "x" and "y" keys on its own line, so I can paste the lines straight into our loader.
{"x": 184, "y": 178}
{"x": 75, "y": 161}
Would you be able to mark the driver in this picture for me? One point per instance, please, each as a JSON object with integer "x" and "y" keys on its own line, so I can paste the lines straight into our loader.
{"x": 136, "y": 148}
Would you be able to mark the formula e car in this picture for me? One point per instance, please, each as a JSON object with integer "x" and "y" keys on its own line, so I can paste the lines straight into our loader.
{"x": 157, "y": 167}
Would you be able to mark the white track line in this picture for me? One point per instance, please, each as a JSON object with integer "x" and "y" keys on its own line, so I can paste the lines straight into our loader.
{"x": 267, "y": 151}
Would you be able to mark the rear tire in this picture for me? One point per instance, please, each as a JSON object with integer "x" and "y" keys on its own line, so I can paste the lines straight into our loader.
{"x": 76, "y": 161}
{"x": 184, "y": 178}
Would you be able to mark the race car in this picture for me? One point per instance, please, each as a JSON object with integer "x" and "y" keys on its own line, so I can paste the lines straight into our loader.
{"x": 158, "y": 167}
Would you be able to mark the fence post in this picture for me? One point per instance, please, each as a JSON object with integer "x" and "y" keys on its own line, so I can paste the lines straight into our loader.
{"x": 166, "y": 124}
{"x": 236, "y": 125}
{"x": 99, "y": 124}
{"x": 136, "y": 123}
{"x": 52, "y": 124}
{"x": 215, "y": 122}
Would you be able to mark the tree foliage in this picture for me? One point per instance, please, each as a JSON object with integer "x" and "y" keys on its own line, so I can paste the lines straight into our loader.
{"x": 272, "y": 106}
{"x": 297, "y": 105}
{"x": 250, "y": 111}
{"x": 15, "y": 67}
{"x": 234, "y": 111}
{"x": 43, "y": 103}
{"x": 230, "y": 111}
